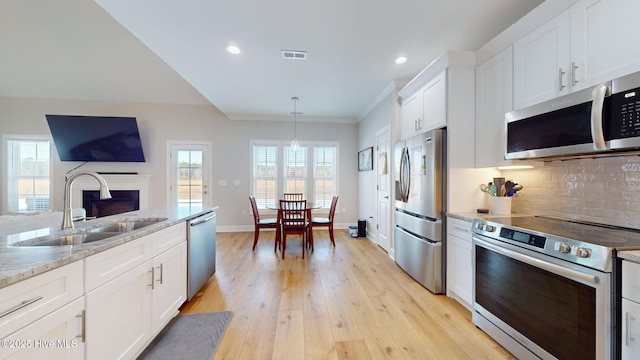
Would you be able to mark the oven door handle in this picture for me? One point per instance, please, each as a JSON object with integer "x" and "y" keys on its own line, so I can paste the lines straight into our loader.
{"x": 538, "y": 263}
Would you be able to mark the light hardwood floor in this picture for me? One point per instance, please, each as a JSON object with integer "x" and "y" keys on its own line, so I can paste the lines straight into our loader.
{"x": 347, "y": 302}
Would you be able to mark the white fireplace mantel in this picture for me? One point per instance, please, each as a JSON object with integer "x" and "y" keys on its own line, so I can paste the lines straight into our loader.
{"x": 115, "y": 182}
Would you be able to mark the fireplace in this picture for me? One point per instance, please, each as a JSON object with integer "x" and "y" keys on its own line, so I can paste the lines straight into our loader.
{"x": 121, "y": 201}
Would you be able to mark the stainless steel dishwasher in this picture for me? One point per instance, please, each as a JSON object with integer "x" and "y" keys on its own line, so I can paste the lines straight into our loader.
{"x": 201, "y": 259}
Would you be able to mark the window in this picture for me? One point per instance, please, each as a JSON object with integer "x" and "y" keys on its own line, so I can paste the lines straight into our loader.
{"x": 188, "y": 171}
{"x": 189, "y": 177}
{"x": 28, "y": 174}
{"x": 310, "y": 169}
{"x": 265, "y": 175}
{"x": 324, "y": 175}
{"x": 295, "y": 170}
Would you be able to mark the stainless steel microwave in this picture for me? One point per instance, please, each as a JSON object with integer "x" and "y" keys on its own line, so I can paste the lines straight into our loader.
{"x": 601, "y": 120}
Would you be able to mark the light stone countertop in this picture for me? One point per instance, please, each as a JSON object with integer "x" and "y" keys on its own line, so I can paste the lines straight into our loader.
{"x": 631, "y": 255}
{"x": 470, "y": 216}
{"x": 18, "y": 263}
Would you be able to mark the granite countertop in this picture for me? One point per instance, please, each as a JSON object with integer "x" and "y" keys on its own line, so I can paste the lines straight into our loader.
{"x": 21, "y": 262}
{"x": 470, "y": 216}
{"x": 631, "y": 255}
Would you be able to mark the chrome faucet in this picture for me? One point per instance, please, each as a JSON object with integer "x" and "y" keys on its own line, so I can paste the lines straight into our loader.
{"x": 67, "y": 219}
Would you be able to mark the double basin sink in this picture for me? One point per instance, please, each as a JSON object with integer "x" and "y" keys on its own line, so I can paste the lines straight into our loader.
{"x": 88, "y": 235}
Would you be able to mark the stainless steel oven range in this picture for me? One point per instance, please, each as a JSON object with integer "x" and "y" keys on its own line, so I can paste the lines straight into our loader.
{"x": 549, "y": 288}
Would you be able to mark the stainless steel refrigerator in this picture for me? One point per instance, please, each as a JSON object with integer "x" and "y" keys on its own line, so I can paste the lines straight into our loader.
{"x": 420, "y": 207}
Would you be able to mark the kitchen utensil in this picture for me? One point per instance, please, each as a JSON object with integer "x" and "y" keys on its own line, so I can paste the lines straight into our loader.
{"x": 489, "y": 189}
{"x": 508, "y": 188}
{"x": 499, "y": 183}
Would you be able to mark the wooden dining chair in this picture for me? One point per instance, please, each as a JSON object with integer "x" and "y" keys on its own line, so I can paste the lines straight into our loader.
{"x": 327, "y": 221}
{"x": 268, "y": 223}
{"x": 294, "y": 220}
{"x": 292, "y": 196}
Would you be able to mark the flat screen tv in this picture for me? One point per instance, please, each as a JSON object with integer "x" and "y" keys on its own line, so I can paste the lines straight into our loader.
{"x": 96, "y": 138}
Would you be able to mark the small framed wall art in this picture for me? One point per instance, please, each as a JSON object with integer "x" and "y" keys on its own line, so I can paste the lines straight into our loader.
{"x": 365, "y": 159}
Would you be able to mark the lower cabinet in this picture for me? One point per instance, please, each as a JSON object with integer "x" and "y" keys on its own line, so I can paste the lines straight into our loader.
{"x": 459, "y": 261}
{"x": 119, "y": 315}
{"x": 58, "y": 335}
{"x": 170, "y": 284}
{"x": 125, "y": 313}
{"x": 630, "y": 347}
{"x": 630, "y": 329}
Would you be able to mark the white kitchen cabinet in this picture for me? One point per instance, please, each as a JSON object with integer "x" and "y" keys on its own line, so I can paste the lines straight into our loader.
{"x": 494, "y": 85}
{"x": 601, "y": 42}
{"x": 58, "y": 335}
{"x": 137, "y": 288}
{"x": 119, "y": 315}
{"x": 630, "y": 329}
{"x": 426, "y": 109}
{"x": 542, "y": 63}
{"x": 630, "y": 339}
{"x": 582, "y": 47}
{"x": 170, "y": 284}
{"x": 459, "y": 262}
{"x": 29, "y": 300}
{"x": 434, "y": 103}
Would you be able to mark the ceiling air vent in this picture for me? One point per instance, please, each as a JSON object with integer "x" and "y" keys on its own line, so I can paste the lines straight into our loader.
{"x": 294, "y": 55}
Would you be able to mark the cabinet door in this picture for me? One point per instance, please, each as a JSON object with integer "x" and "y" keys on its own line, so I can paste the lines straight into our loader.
{"x": 58, "y": 335}
{"x": 601, "y": 40}
{"x": 493, "y": 99}
{"x": 411, "y": 115}
{"x": 434, "y": 104}
{"x": 541, "y": 63}
{"x": 459, "y": 262}
{"x": 170, "y": 284}
{"x": 630, "y": 329}
{"x": 119, "y": 315}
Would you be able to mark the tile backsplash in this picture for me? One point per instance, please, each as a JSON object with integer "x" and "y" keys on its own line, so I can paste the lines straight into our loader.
{"x": 605, "y": 190}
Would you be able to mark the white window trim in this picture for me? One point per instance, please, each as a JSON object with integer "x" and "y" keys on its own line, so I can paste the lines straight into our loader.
{"x": 281, "y": 144}
{"x": 3, "y": 163}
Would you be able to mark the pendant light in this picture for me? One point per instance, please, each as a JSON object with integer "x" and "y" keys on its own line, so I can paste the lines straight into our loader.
{"x": 294, "y": 142}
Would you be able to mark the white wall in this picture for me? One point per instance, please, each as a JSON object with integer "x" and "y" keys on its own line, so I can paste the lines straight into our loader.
{"x": 384, "y": 114}
{"x": 159, "y": 123}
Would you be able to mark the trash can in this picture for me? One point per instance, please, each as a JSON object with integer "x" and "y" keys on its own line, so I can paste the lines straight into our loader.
{"x": 362, "y": 228}
{"x": 353, "y": 231}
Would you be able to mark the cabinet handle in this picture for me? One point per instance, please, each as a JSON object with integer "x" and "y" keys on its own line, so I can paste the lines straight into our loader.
{"x": 574, "y": 67}
{"x": 153, "y": 277}
{"x": 628, "y": 338}
{"x": 20, "y": 306}
{"x": 560, "y": 74}
{"x": 161, "y": 274}
{"x": 83, "y": 326}
{"x": 460, "y": 228}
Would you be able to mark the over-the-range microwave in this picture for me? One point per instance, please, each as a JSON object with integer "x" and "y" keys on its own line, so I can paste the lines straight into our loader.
{"x": 601, "y": 120}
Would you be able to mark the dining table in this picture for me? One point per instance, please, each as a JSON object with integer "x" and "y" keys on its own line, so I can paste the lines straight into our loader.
{"x": 309, "y": 206}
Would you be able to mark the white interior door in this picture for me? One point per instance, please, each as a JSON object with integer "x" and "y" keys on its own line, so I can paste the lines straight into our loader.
{"x": 189, "y": 173}
{"x": 384, "y": 188}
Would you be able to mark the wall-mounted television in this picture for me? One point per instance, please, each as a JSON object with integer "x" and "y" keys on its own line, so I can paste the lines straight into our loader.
{"x": 96, "y": 138}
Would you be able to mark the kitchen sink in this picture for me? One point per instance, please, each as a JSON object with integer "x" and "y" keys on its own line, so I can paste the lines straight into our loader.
{"x": 84, "y": 236}
{"x": 70, "y": 239}
{"x": 124, "y": 226}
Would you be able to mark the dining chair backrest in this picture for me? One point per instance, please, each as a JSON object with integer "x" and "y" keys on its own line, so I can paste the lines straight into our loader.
{"x": 292, "y": 196}
{"x": 294, "y": 213}
{"x": 332, "y": 210}
{"x": 254, "y": 208}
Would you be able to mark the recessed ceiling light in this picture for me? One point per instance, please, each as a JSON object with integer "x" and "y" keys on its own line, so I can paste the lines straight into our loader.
{"x": 401, "y": 60}
{"x": 233, "y": 49}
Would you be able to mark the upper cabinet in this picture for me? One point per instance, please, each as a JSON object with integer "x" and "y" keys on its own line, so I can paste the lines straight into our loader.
{"x": 493, "y": 100}
{"x": 425, "y": 109}
{"x": 542, "y": 63}
{"x": 601, "y": 45}
{"x": 581, "y": 47}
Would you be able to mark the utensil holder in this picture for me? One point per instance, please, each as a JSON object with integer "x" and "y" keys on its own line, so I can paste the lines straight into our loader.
{"x": 501, "y": 205}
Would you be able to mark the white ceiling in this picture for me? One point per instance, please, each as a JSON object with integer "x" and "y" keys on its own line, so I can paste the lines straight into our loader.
{"x": 73, "y": 49}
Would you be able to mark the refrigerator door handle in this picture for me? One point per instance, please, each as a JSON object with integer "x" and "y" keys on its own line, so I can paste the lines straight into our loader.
{"x": 405, "y": 171}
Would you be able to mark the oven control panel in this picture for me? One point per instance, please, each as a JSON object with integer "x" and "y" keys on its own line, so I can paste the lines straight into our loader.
{"x": 581, "y": 252}
{"x": 519, "y": 236}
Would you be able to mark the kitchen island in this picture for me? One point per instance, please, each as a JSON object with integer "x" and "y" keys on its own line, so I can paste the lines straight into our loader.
{"x": 99, "y": 300}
